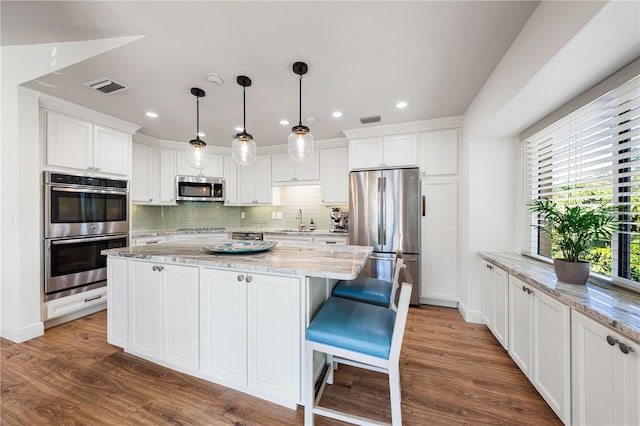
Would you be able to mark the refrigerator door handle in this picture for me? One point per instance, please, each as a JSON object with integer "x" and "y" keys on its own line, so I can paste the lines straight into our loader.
{"x": 383, "y": 218}
{"x": 380, "y": 211}
{"x": 424, "y": 205}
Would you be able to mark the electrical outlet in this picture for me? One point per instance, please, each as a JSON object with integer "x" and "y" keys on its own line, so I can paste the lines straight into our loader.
{"x": 273, "y": 215}
{"x": 242, "y": 215}
{"x": 279, "y": 215}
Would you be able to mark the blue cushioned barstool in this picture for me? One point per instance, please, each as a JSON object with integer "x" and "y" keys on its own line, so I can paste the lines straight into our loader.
{"x": 362, "y": 335}
{"x": 369, "y": 290}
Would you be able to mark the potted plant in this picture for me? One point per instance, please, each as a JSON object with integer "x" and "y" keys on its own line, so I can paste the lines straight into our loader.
{"x": 574, "y": 230}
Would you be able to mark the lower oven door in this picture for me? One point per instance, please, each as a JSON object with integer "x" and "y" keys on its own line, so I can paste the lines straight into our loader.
{"x": 73, "y": 265}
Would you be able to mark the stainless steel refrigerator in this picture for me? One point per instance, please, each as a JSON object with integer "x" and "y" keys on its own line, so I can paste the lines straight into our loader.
{"x": 384, "y": 212}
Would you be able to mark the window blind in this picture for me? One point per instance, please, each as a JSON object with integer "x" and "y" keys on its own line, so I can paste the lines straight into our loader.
{"x": 591, "y": 156}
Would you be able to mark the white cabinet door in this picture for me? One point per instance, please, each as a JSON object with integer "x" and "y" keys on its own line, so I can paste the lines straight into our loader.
{"x": 117, "y": 302}
{"x": 336, "y": 241}
{"x": 439, "y": 152}
{"x": 274, "y": 335}
{"x": 214, "y": 166}
{"x": 334, "y": 172}
{"x": 520, "y": 324}
{"x": 284, "y": 169}
{"x": 163, "y": 312}
{"x": 289, "y": 240}
{"x": 167, "y": 177}
{"x": 308, "y": 171}
{"x": 488, "y": 295}
{"x": 439, "y": 239}
{"x": 230, "y": 181}
{"x": 501, "y": 307}
{"x": 254, "y": 182}
{"x": 111, "y": 151}
{"x": 223, "y": 326}
{"x": 539, "y": 342}
{"x": 551, "y": 373}
{"x": 365, "y": 153}
{"x": 69, "y": 142}
{"x": 400, "y": 150}
{"x": 606, "y": 381}
{"x": 143, "y": 176}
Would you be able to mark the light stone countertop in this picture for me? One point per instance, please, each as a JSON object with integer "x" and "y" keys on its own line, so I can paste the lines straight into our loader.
{"x": 274, "y": 231}
{"x": 614, "y": 306}
{"x": 337, "y": 262}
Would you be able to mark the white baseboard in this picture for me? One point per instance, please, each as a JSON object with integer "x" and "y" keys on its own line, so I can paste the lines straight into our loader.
{"x": 470, "y": 316}
{"x": 19, "y": 335}
{"x": 438, "y": 302}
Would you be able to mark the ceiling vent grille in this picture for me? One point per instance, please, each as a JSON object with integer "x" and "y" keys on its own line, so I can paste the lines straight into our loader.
{"x": 106, "y": 86}
{"x": 372, "y": 119}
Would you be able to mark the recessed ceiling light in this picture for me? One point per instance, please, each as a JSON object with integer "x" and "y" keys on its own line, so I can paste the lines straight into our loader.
{"x": 284, "y": 122}
{"x": 337, "y": 114}
{"x": 401, "y": 104}
{"x": 202, "y": 135}
{"x": 239, "y": 129}
{"x": 151, "y": 114}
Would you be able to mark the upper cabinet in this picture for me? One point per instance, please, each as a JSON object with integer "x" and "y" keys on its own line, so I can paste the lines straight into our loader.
{"x": 285, "y": 171}
{"x": 214, "y": 166}
{"x": 254, "y": 182}
{"x": 439, "y": 152}
{"x": 78, "y": 144}
{"x": 153, "y": 175}
{"x": 383, "y": 151}
{"x": 335, "y": 175}
{"x": 230, "y": 181}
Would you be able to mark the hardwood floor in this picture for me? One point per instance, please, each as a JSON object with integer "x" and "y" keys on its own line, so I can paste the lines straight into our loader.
{"x": 452, "y": 372}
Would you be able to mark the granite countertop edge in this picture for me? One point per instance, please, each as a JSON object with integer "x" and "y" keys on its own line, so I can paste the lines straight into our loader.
{"x": 272, "y": 231}
{"x": 614, "y": 306}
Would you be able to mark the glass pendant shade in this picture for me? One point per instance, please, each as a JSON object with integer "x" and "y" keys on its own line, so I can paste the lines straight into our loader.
{"x": 300, "y": 145}
{"x": 196, "y": 156}
{"x": 243, "y": 149}
{"x": 300, "y": 140}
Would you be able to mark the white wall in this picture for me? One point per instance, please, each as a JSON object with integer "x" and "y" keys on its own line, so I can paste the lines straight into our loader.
{"x": 20, "y": 179}
{"x": 564, "y": 49}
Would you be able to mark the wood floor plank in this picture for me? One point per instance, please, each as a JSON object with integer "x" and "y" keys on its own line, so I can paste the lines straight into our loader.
{"x": 452, "y": 372}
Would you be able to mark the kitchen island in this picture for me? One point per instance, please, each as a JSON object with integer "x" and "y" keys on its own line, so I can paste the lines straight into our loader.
{"x": 234, "y": 319}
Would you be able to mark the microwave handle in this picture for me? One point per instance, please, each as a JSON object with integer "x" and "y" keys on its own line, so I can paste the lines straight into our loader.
{"x": 87, "y": 191}
{"x": 86, "y": 240}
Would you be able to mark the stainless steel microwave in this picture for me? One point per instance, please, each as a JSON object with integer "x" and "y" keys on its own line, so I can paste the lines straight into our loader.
{"x": 198, "y": 188}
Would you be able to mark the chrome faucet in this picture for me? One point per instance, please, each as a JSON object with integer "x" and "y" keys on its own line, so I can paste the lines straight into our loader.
{"x": 299, "y": 217}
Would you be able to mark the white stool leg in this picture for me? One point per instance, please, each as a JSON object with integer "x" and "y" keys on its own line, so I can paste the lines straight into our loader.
{"x": 309, "y": 388}
{"x": 394, "y": 390}
{"x": 332, "y": 367}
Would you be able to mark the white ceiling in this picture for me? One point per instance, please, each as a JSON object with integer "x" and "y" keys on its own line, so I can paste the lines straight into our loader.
{"x": 363, "y": 57}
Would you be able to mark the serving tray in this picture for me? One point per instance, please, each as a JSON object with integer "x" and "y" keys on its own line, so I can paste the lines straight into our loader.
{"x": 240, "y": 246}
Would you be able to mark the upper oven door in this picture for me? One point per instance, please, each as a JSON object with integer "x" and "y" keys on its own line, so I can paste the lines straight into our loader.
{"x": 74, "y": 211}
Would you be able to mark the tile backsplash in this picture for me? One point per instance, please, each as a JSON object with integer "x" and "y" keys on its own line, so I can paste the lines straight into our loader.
{"x": 199, "y": 214}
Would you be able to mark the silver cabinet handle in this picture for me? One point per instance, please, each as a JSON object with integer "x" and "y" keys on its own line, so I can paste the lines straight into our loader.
{"x": 625, "y": 349}
{"x": 89, "y": 299}
{"x": 611, "y": 340}
{"x": 240, "y": 277}
{"x": 152, "y": 242}
{"x": 158, "y": 268}
{"x": 249, "y": 278}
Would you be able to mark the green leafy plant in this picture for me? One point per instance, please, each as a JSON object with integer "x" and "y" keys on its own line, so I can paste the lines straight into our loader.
{"x": 574, "y": 229}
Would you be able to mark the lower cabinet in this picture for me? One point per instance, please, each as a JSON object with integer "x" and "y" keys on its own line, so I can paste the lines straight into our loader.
{"x": 495, "y": 302}
{"x": 539, "y": 342}
{"x": 117, "y": 312}
{"x": 605, "y": 374}
{"x": 250, "y": 331}
{"x": 163, "y": 314}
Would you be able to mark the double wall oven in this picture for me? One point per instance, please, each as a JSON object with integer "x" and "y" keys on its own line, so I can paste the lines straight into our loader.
{"x": 83, "y": 215}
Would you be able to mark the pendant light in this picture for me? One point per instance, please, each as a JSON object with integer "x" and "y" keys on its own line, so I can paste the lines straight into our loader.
{"x": 300, "y": 140}
{"x": 243, "y": 147}
{"x": 196, "y": 158}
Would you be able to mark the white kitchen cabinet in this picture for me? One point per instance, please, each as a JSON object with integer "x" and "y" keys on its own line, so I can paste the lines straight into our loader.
{"x": 163, "y": 313}
{"x": 89, "y": 301}
{"x": 439, "y": 242}
{"x": 333, "y": 240}
{"x": 230, "y": 181}
{"x": 606, "y": 380}
{"x": 145, "y": 241}
{"x": 289, "y": 240}
{"x": 117, "y": 313}
{"x": 495, "y": 302}
{"x": 383, "y": 151}
{"x": 285, "y": 171}
{"x": 334, "y": 175}
{"x": 214, "y": 166}
{"x": 254, "y": 182}
{"x": 250, "y": 331}
{"x": 539, "y": 343}
{"x": 439, "y": 152}
{"x": 78, "y": 144}
{"x": 201, "y": 236}
{"x": 153, "y": 176}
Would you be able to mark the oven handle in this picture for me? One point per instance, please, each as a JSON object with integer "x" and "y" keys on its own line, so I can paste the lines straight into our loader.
{"x": 86, "y": 240}
{"x": 88, "y": 191}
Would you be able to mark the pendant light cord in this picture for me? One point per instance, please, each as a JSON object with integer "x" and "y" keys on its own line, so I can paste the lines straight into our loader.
{"x": 300, "y": 103}
{"x": 244, "y": 109}
{"x": 197, "y": 117}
